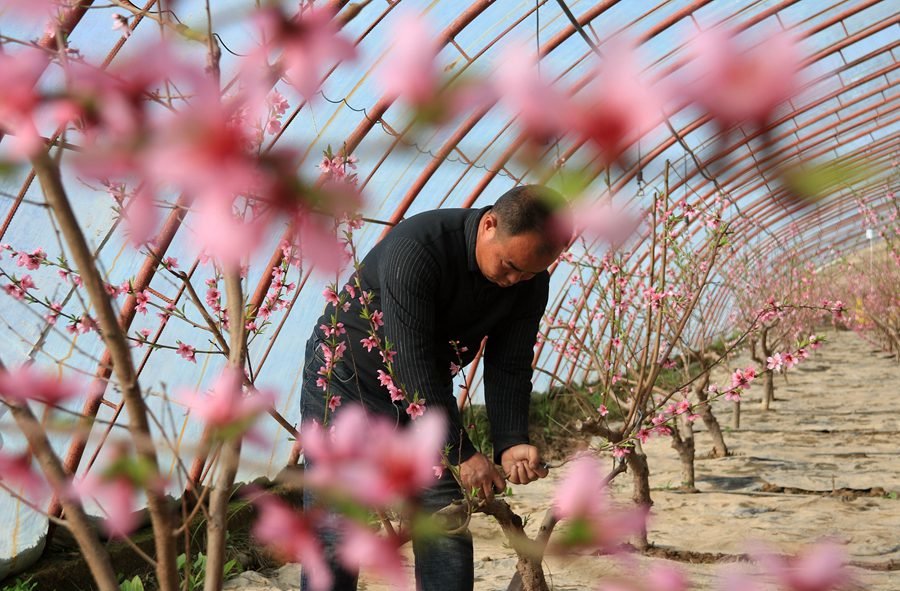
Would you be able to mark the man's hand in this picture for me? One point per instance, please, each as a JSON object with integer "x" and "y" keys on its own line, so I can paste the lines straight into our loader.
{"x": 479, "y": 472}
{"x": 522, "y": 464}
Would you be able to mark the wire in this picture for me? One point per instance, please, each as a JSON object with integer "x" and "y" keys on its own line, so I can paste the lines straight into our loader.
{"x": 414, "y": 145}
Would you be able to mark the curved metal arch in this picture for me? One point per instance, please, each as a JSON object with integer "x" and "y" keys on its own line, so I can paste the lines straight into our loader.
{"x": 677, "y": 184}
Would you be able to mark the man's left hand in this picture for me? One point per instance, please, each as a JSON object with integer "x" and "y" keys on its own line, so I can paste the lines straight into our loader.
{"x": 522, "y": 464}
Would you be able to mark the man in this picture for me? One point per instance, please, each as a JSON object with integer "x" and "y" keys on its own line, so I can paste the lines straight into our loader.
{"x": 442, "y": 281}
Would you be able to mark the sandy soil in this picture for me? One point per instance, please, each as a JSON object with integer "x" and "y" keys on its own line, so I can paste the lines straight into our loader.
{"x": 833, "y": 425}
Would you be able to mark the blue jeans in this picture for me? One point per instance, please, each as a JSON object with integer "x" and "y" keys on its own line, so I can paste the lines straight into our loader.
{"x": 443, "y": 563}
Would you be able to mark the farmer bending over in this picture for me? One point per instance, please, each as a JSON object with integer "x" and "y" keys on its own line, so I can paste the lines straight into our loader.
{"x": 443, "y": 280}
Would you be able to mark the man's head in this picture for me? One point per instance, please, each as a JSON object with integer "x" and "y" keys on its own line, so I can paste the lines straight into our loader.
{"x": 521, "y": 235}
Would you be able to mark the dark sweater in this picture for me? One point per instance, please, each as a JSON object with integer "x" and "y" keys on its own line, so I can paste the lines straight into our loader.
{"x": 426, "y": 281}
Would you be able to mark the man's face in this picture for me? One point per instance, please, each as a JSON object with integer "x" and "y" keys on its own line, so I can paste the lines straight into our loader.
{"x": 507, "y": 260}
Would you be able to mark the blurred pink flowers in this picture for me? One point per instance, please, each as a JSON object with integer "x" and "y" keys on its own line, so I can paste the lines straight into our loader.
{"x": 541, "y": 109}
{"x": 32, "y": 9}
{"x": 16, "y": 473}
{"x": 409, "y": 71}
{"x": 364, "y": 549}
{"x": 20, "y": 99}
{"x": 583, "y": 500}
{"x": 820, "y": 567}
{"x": 228, "y": 410}
{"x": 738, "y": 84}
{"x": 291, "y": 533}
{"x": 345, "y": 461}
{"x": 604, "y": 220}
{"x": 310, "y": 42}
{"x": 115, "y": 495}
{"x": 620, "y": 106}
{"x": 27, "y": 383}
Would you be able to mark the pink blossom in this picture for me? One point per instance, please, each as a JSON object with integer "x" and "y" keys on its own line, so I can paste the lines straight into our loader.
{"x": 277, "y": 102}
{"x": 225, "y": 236}
{"x": 540, "y": 109}
{"x": 789, "y": 360}
{"x": 141, "y": 300}
{"x": 454, "y": 368}
{"x": 309, "y": 43}
{"x": 334, "y": 402}
{"x": 662, "y": 577}
{"x": 115, "y": 495}
{"x": 622, "y": 107}
{"x": 56, "y": 310}
{"x": 31, "y": 261}
{"x": 742, "y": 378}
{"x": 331, "y": 296}
{"x": 737, "y": 84}
{"x": 315, "y": 234}
{"x": 582, "y": 498}
{"x": 19, "y": 74}
{"x": 227, "y": 408}
{"x": 387, "y": 356}
{"x": 385, "y": 379}
{"x": 605, "y": 221}
{"x": 602, "y": 410}
{"x": 620, "y": 452}
{"x": 416, "y": 409}
{"x": 409, "y": 70}
{"x": 378, "y": 318}
{"x": 838, "y": 308}
{"x": 213, "y": 296}
{"x": 142, "y": 337}
{"x": 821, "y": 567}
{"x": 398, "y": 467}
{"x": 201, "y": 151}
{"x": 396, "y": 393}
{"x": 140, "y": 216}
{"x": 37, "y": 10}
{"x": 292, "y": 535}
{"x": 363, "y": 549}
{"x": 369, "y": 343}
{"x": 17, "y": 474}
{"x": 18, "y": 290}
{"x": 187, "y": 352}
{"x": 774, "y": 362}
{"x": 28, "y": 383}
{"x": 329, "y": 331}
{"x": 120, "y": 23}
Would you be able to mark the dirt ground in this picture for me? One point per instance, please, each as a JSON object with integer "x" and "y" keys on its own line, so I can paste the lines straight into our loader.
{"x": 833, "y": 426}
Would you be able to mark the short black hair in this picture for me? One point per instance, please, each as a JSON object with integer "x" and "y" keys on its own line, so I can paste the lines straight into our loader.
{"x": 533, "y": 208}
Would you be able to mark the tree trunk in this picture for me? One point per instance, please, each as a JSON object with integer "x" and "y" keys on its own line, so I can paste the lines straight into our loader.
{"x": 531, "y": 576}
{"x": 768, "y": 389}
{"x": 640, "y": 477}
{"x": 736, "y": 415}
{"x": 719, "y": 450}
{"x": 683, "y": 443}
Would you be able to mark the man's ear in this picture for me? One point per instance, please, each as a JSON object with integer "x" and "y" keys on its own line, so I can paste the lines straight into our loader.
{"x": 490, "y": 222}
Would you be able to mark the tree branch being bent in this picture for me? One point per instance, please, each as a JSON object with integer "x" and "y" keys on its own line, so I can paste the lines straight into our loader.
{"x": 529, "y": 570}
